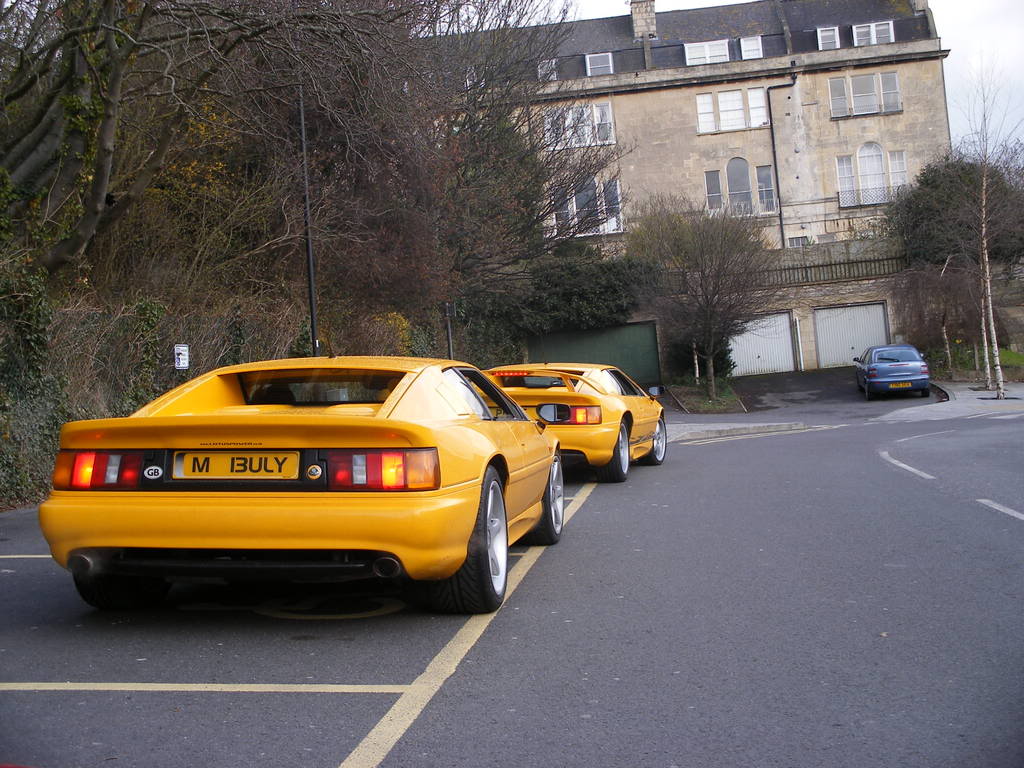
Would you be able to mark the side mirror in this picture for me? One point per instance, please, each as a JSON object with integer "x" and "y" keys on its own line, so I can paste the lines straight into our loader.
{"x": 856, "y": 359}
{"x": 656, "y": 391}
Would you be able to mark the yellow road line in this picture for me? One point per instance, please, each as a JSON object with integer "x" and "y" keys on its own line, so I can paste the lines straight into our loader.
{"x": 376, "y": 745}
{"x": 577, "y": 501}
{"x": 412, "y": 700}
{"x": 206, "y": 687}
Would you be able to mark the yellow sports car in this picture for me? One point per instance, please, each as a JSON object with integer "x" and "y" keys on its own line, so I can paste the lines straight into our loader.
{"x": 314, "y": 469}
{"x": 596, "y": 411}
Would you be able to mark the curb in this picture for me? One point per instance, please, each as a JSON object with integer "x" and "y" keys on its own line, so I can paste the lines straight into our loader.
{"x": 704, "y": 431}
{"x": 948, "y": 391}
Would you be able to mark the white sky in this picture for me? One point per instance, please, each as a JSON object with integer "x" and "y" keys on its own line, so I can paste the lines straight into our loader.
{"x": 981, "y": 35}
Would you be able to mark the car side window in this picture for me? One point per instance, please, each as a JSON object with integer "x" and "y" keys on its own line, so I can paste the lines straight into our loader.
{"x": 495, "y": 402}
{"x": 608, "y": 383}
{"x": 468, "y": 394}
{"x": 625, "y": 383}
{"x": 500, "y": 405}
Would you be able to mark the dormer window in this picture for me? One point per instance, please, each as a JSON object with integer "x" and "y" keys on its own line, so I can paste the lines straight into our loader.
{"x": 828, "y": 38}
{"x": 712, "y": 52}
{"x": 750, "y": 47}
{"x": 599, "y": 64}
{"x": 547, "y": 70}
{"x": 873, "y": 34}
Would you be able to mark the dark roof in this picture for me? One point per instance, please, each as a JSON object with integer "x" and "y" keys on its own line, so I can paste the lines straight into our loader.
{"x": 810, "y": 14}
{"x": 723, "y": 21}
{"x": 743, "y": 20}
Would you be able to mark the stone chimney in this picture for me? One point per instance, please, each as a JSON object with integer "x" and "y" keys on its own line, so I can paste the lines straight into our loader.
{"x": 644, "y": 25}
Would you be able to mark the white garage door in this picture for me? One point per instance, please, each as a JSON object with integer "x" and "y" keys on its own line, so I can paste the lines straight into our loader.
{"x": 765, "y": 347}
{"x": 842, "y": 333}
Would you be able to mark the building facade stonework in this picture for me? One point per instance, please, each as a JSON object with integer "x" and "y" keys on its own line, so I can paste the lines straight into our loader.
{"x": 809, "y": 114}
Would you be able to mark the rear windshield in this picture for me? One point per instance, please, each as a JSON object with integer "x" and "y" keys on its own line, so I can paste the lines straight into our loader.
{"x": 896, "y": 355}
{"x": 531, "y": 382}
{"x": 318, "y": 386}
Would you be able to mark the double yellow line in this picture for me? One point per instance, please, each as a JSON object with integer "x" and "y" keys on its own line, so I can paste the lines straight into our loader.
{"x": 412, "y": 699}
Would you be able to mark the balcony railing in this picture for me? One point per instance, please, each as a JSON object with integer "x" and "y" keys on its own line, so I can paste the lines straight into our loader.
{"x": 836, "y": 271}
{"x": 848, "y": 198}
{"x": 763, "y": 206}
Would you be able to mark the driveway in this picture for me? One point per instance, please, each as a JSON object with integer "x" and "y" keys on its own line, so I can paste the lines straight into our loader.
{"x": 831, "y": 392}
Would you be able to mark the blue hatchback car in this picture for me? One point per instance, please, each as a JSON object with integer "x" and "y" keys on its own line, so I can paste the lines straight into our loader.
{"x": 892, "y": 368}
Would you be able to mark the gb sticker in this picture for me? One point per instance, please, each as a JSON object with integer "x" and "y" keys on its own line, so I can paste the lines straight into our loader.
{"x": 152, "y": 472}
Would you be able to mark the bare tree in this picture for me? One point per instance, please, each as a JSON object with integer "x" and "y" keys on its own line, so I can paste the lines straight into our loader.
{"x": 716, "y": 270}
{"x": 69, "y": 70}
{"x": 510, "y": 176}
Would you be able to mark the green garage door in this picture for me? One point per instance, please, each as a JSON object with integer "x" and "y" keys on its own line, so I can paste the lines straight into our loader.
{"x": 632, "y": 347}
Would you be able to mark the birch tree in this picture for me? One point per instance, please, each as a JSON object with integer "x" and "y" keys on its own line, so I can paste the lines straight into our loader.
{"x": 990, "y": 214}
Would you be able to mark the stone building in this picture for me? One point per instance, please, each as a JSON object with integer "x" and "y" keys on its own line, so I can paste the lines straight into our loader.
{"x": 807, "y": 113}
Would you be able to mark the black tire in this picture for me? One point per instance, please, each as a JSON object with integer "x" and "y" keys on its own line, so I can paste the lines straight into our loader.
{"x": 111, "y": 592}
{"x": 867, "y": 392}
{"x": 659, "y": 446}
{"x": 479, "y": 584}
{"x": 616, "y": 470}
{"x": 926, "y": 392}
{"x": 548, "y": 529}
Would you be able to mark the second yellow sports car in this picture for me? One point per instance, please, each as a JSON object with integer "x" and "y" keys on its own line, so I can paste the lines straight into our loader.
{"x": 597, "y": 412}
{"x": 315, "y": 469}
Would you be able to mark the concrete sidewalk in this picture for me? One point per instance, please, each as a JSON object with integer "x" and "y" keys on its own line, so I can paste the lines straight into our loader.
{"x": 966, "y": 398}
{"x": 975, "y": 391}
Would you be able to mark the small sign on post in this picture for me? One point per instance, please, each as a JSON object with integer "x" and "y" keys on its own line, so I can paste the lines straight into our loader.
{"x": 181, "y": 357}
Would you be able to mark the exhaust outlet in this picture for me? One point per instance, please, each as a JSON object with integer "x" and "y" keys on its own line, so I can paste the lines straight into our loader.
{"x": 81, "y": 565}
{"x": 386, "y": 567}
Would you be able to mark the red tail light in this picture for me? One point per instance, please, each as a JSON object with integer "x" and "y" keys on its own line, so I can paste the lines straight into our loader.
{"x": 924, "y": 368}
{"x": 97, "y": 470}
{"x": 560, "y": 413}
{"x": 586, "y": 414}
{"x": 383, "y": 469}
{"x": 872, "y": 373}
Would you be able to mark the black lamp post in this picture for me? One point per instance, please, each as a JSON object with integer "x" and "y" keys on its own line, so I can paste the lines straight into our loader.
{"x": 310, "y": 264}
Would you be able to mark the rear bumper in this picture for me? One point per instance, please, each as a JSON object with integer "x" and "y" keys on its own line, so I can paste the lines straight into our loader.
{"x": 595, "y": 442}
{"x": 427, "y": 532}
{"x": 886, "y": 385}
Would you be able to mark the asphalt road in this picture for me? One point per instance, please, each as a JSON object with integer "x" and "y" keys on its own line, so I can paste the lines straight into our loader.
{"x": 849, "y": 595}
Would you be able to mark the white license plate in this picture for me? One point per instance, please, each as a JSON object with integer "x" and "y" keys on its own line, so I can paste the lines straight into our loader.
{"x": 232, "y": 465}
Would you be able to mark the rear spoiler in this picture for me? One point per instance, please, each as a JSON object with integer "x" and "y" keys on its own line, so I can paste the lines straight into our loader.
{"x": 224, "y": 431}
{"x": 568, "y": 379}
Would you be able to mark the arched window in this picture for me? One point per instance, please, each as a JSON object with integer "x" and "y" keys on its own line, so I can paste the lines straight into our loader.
{"x": 871, "y": 166}
{"x": 737, "y": 173}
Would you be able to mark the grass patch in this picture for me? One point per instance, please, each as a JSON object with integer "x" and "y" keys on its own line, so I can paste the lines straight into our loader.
{"x": 1012, "y": 364}
{"x": 695, "y": 399}
{"x": 963, "y": 368}
{"x": 1011, "y": 359}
